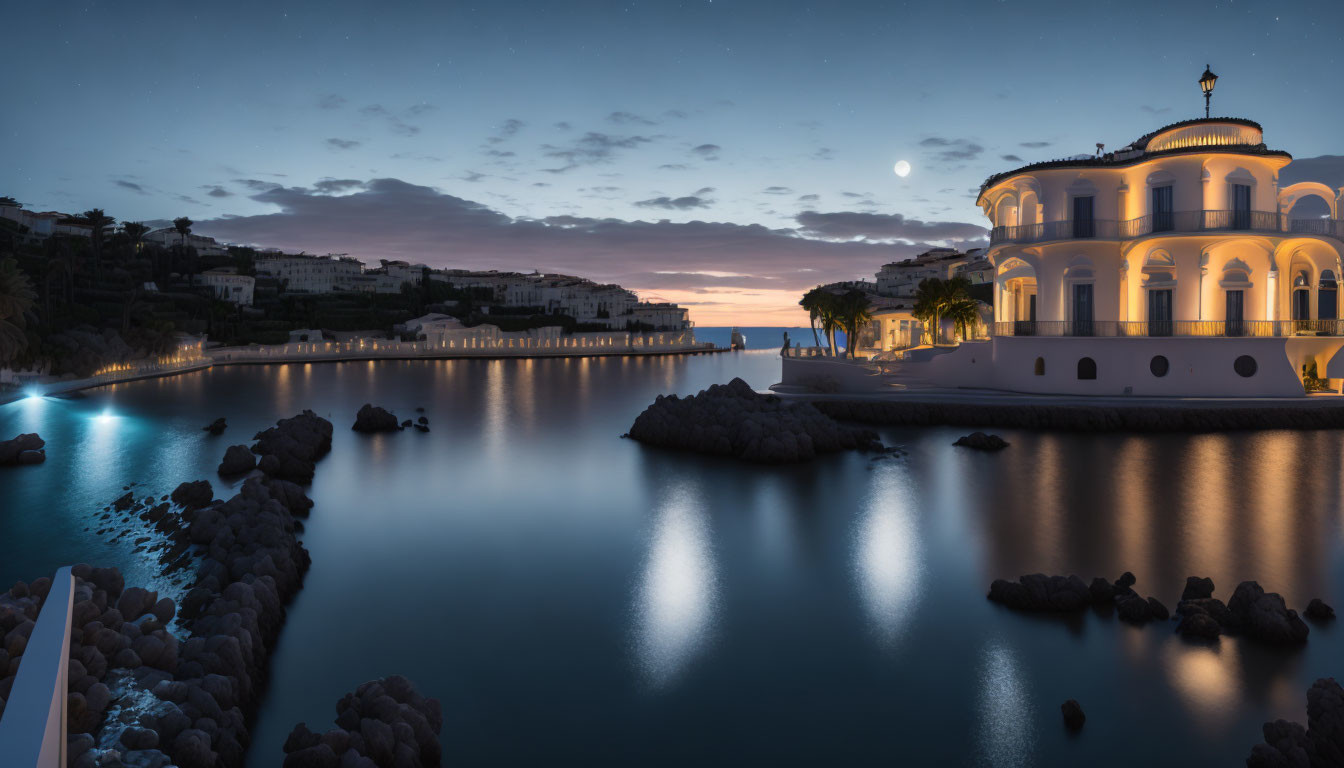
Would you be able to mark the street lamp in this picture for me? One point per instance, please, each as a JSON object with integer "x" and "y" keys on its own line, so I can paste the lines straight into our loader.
{"x": 1206, "y": 83}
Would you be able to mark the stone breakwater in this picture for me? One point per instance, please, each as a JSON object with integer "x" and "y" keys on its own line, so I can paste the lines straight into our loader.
{"x": 143, "y": 696}
{"x": 1136, "y": 418}
{"x": 384, "y": 724}
{"x": 733, "y": 420}
{"x": 1319, "y": 745}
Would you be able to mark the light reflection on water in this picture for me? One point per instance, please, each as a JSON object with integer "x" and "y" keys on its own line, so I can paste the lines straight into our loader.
{"x": 675, "y": 599}
{"x": 888, "y": 556}
{"x": 1007, "y": 717}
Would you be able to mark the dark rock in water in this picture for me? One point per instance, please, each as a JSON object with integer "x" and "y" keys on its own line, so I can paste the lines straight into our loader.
{"x": 405, "y": 424}
{"x": 422, "y": 420}
{"x": 237, "y": 460}
{"x": 982, "y": 442}
{"x": 1263, "y": 616}
{"x": 419, "y": 409}
{"x": 1320, "y": 744}
{"x": 193, "y": 495}
{"x": 1317, "y": 610}
{"x": 371, "y": 418}
{"x": 1125, "y": 582}
{"x": 733, "y": 420}
{"x": 22, "y": 450}
{"x": 1198, "y": 625}
{"x": 290, "y": 448}
{"x": 422, "y": 427}
{"x": 216, "y": 427}
{"x": 1209, "y": 606}
{"x": 1134, "y": 609}
{"x": 383, "y": 723}
{"x": 1102, "y": 591}
{"x": 124, "y": 502}
{"x": 31, "y": 457}
{"x": 1197, "y": 588}
{"x": 1157, "y": 610}
{"x": 1073, "y": 715}
{"x": 1038, "y": 592}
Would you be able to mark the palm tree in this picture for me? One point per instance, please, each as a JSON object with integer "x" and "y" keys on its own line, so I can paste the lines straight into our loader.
{"x": 183, "y": 226}
{"x": 135, "y": 234}
{"x": 934, "y": 297}
{"x": 98, "y": 221}
{"x": 964, "y": 314}
{"x": 812, "y": 301}
{"x": 16, "y": 301}
{"x": 854, "y": 311}
{"x": 828, "y": 313}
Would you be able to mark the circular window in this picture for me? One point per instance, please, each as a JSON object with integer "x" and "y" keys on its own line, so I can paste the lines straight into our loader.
{"x": 1159, "y": 366}
{"x": 1245, "y": 366}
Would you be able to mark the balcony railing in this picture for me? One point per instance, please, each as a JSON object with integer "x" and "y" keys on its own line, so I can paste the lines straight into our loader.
{"x": 1171, "y": 221}
{"x": 1141, "y": 328}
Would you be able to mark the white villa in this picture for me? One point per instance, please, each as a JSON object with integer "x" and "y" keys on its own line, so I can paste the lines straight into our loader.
{"x": 1173, "y": 266}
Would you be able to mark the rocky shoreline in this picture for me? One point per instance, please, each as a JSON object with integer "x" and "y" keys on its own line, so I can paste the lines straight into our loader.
{"x": 154, "y": 684}
{"x": 384, "y": 724}
{"x": 1100, "y": 418}
{"x": 25, "y": 449}
{"x": 734, "y": 420}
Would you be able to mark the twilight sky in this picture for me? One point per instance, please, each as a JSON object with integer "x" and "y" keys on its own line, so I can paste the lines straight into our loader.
{"x": 723, "y": 154}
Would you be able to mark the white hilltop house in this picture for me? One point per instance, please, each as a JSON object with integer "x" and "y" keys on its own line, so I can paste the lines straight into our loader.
{"x": 1174, "y": 266}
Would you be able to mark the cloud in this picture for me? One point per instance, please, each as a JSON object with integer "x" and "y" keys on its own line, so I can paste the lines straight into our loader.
{"x": 676, "y": 203}
{"x": 473, "y": 176}
{"x": 564, "y": 126}
{"x": 591, "y": 149}
{"x": 629, "y": 118}
{"x": 342, "y": 143}
{"x": 850, "y": 225}
{"x": 704, "y": 191}
{"x": 1011, "y": 158}
{"x": 330, "y": 101}
{"x": 390, "y": 218}
{"x": 214, "y": 190}
{"x": 707, "y": 151}
{"x": 124, "y": 184}
{"x": 808, "y": 198}
{"x": 824, "y": 153}
{"x": 1155, "y": 110}
{"x": 952, "y": 150}
{"x": 507, "y": 130}
{"x": 423, "y": 108}
{"x": 675, "y": 114}
{"x": 777, "y": 191}
{"x": 328, "y": 186}
{"x": 256, "y": 185}
{"x": 395, "y": 123}
{"x": 674, "y": 167}
{"x": 1034, "y": 144}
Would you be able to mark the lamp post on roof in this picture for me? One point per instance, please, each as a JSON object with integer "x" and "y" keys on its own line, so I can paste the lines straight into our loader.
{"x": 1206, "y": 83}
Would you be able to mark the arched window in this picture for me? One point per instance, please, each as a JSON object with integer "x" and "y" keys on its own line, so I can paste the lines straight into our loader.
{"x": 1327, "y": 303}
{"x": 1087, "y": 369}
{"x": 1040, "y": 366}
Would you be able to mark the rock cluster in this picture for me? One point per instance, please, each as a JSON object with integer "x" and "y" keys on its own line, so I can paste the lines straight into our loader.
{"x": 384, "y": 723}
{"x": 733, "y": 420}
{"x": 1089, "y": 418}
{"x": 24, "y": 449}
{"x": 371, "y": 418}
{"x": 216, "y": 427}
{"x": 1320, "y": 744}
{"x": 290, "y": 449}
{"x": 237, "y": 460}
{"x": 112, "y": 627}
{"x": 982, "y": 442}
{"x": 1318, "y": 611}
{"x": 1253, "y": 612}
{"x": 1063, "y": 594}
{"x": 193, "y": 494}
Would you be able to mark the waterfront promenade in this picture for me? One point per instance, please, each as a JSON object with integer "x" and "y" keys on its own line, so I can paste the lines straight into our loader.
{"x": 496, "y": 346}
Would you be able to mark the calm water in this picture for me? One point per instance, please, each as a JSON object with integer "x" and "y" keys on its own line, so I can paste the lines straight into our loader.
{"x": 569, "y": 595}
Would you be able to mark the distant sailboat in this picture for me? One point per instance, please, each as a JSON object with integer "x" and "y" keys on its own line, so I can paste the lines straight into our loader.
{"x": 737, "y": 341}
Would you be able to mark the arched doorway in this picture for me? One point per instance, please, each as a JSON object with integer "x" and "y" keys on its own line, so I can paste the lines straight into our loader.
{"x": 1017, "y": 296}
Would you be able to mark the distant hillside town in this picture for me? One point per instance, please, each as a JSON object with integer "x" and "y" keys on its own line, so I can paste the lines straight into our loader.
{"x": 128, "y": 288}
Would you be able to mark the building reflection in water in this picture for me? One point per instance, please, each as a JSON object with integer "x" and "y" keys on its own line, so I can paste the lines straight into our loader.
{"x": 1005, "y": 733}
{"x": 887, "y": 555}
{"x": 675, "y": 599}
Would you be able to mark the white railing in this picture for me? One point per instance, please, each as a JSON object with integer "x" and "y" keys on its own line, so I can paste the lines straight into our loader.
{"x": 32, "y": 731}
{"x": 466, "y": 345}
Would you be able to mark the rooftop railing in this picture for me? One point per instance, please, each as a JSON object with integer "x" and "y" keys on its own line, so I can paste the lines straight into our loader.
{"x": 1180, "y": 328}
{"x": 1170, "y": 221}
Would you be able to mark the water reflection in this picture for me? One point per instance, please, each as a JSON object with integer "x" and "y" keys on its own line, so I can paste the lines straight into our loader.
{"x": 676, "y": 596}
{"x": 1207, "y": 680}
{"x": 888, "y": 556}
{"x": 1006, "y": 737}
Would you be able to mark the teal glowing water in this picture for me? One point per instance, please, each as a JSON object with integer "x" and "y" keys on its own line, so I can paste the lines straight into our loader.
{"x": 570, "y": 595}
